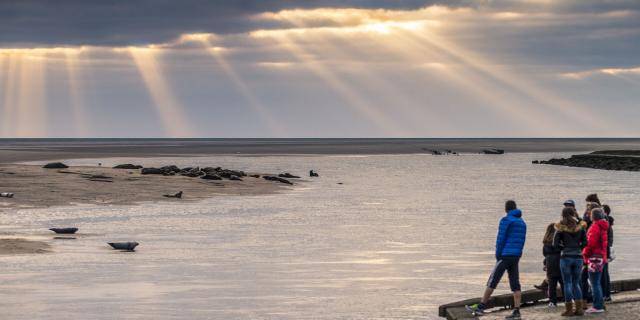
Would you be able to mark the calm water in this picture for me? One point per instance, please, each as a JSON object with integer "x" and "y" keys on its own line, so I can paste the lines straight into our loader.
{"x": 402, "y": 235}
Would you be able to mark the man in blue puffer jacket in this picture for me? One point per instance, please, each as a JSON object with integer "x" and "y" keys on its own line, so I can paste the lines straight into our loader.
{"x": 512, "y": 233}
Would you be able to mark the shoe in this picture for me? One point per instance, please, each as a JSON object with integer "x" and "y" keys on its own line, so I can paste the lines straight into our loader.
{"x": 594, "y": 310}
{"x": 544, "y": 286}
{"x": 553, "y": 305}
{"x": 581, "y": 305}
{"x": 476, "y": 309}
{"x": 514, "y": 316}
{"x": 568, "y": 310}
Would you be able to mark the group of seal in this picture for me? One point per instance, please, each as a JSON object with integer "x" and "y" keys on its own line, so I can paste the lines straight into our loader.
{"x": 125, "y": 246}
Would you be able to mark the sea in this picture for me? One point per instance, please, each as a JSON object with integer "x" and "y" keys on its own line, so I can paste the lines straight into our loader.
{"x": 376, "y": 236}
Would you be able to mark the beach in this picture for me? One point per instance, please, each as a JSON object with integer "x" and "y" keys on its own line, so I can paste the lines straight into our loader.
{"x": 375, "y": 236}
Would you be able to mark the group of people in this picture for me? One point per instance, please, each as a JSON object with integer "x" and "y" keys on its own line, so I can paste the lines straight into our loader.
{"x": 576, "y": 249}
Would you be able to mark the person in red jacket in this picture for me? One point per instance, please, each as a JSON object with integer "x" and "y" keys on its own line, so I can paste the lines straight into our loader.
{"x": 595, "y": 257}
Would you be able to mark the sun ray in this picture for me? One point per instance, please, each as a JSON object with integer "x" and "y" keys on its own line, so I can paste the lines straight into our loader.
{"x": 167, "y": 106}
{"x": 10, "y": 99}
{"x": 31, "y": 112}
{"x": 459, "y": 74}
{"x": 544, "y": 98}
{"x": 354, "y": 100}
{"x": 389, "y": 36}
{"x": 75, "y": 88}
{"x": 626, "y": 78}
{"x": 244, "y": 90}
{"x": 408, "y": 106}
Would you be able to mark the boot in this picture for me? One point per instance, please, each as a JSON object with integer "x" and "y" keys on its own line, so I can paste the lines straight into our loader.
{"x": 568, "y": 310}
{"x": 580, "y": 306}
{"x": 542, "y": 286}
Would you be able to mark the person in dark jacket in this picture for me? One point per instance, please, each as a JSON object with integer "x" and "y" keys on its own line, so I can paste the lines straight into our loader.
{"x": 570, "y": 237}
{"x": 552, "y": 265}
{"x": 512, "y": 233}
{"x": 544, "y": 286}
{"x": 606, "y": 280}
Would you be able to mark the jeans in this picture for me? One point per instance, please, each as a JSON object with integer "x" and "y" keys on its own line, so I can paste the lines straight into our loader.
{"x": 571, "y": 268}
{"x": 585, "y": 287}
{"x": 596, "y": 289}
{"x": 606, "y": 282}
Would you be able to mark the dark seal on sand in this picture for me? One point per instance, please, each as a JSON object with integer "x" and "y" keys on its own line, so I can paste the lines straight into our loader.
{"x": 128, "y": 246}
{"x": 278, "y": 179}
{"x": 64, "y": 230}
{"x": 128, "y": 166}
{"x": 55, "y": 165}
{"x": 288, "y": 175}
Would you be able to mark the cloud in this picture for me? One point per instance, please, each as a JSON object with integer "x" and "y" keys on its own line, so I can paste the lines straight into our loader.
{"x": 604, "y": 71}
{"x": 140, "y": 22}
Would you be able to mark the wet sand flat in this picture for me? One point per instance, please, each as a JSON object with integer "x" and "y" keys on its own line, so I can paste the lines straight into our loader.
{"x": 22, "y": 246}
{"x": 34, "y": 186}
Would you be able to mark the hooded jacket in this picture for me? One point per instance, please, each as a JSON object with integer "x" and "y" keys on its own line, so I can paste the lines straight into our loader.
{"x": 570, "y": 240}
{"x": 596, "y": 240}
{"x": 512, "y": 234}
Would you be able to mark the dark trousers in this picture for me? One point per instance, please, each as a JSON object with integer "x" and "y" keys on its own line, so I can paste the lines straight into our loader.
{"x": 552, "y": 292}
{"x": 606, "y": 282}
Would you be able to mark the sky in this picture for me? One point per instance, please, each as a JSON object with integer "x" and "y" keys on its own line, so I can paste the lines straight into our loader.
{"x": 349, "y": 68}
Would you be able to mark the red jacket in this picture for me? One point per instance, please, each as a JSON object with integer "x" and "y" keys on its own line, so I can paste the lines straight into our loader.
{"x": 596, "y": 240}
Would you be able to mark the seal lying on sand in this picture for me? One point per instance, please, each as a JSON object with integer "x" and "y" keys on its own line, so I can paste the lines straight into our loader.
{"x": 129, "y": 246}
{"x": 64, "y": 230}
{"x": 177, "y": 195}
{"x": 6, "y": 195}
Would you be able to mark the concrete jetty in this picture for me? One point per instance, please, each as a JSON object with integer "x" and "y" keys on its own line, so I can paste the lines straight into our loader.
{"x": 625, "y": 305}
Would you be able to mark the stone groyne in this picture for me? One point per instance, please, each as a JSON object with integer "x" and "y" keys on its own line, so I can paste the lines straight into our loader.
{"x": 619, "y": 160}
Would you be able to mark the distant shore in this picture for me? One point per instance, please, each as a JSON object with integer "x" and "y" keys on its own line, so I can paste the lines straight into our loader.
{"x": 20, "y": 150}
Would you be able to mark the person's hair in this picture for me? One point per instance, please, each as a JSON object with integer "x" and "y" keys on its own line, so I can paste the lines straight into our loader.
{"x": 593, "y": 198}
{"x": 597, "y": 214}
{"x": 548, "y": 235}
{"x": 569, "y": 217}
{"x": 606, "y": 209}
{"x": 510, "y": 205}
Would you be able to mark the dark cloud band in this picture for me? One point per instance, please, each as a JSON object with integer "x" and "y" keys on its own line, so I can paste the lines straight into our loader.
{"x": 132, "y": 22}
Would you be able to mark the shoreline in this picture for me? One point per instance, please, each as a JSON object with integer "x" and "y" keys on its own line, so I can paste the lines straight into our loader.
{"x": 22, "y": 150}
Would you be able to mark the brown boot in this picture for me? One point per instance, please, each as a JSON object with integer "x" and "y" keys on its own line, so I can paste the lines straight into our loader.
{"x": 568, "y": 310}
{"x": 580, "y": 306}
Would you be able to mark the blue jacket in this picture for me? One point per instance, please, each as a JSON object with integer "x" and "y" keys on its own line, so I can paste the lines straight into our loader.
{"x": 511, "y": 235}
